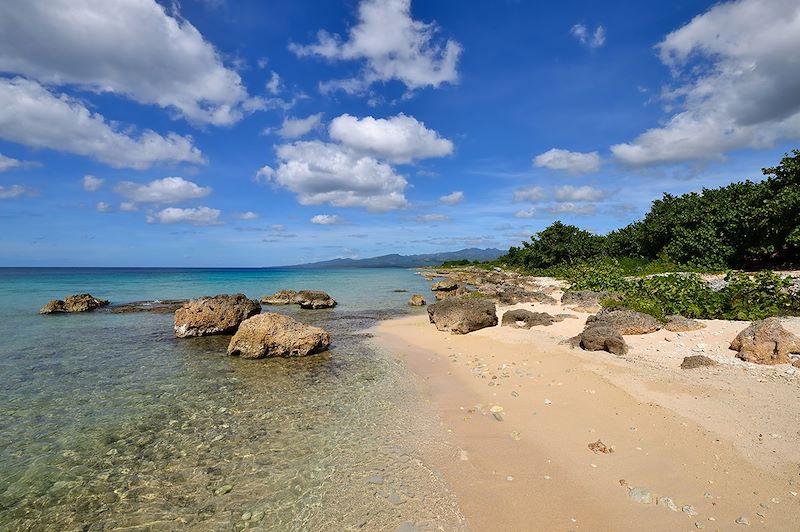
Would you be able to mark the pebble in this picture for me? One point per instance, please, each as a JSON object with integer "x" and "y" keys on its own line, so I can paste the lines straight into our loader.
{"x": 375, "y": 479}
{"x": 742, "y": 521}
{"x": 516, "y": 436}
{"x": 641, "y": 495}
{"x": 498, "y": 416}
{"x": 463, "y": 455}
{"x": 257, "y": 516}
{"x": 668, "y": 502}
{"x": 699, "y": 525}
{"x": 548, "y": 402}
{"x": 509, "y": 478}
{"x": 394, "y": 498}
{"x": 246, "y": 516}
{"x": 222, "y": 490}
{"x": 689, "y": 509}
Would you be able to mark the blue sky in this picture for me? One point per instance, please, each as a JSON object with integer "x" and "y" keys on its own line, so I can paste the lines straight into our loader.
{"x": 256, "y": 133}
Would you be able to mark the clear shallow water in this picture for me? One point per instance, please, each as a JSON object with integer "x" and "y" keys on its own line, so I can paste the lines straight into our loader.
{"x": 107, "y": 421}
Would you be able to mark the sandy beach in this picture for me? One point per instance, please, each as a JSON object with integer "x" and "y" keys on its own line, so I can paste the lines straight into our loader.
{"x": 709, "y": 448}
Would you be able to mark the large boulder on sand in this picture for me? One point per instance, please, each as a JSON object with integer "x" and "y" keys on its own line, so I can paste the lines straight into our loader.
{"x": 281, "y": 297}
{"x": 600, "y": 337}
{"x": 625, "y": 321}
{"x": 314, "y": 299}
{"x": 75, "y": 303}
{"x": 525, "y": 319}
{"x": 416, "y": 301}
{"x": 697, "y": 361}
{"x": 276, "y": 335}
{"x": 766, "y": 342}
{"x": 460, "y": 316}
{"x": 219, "y": 314}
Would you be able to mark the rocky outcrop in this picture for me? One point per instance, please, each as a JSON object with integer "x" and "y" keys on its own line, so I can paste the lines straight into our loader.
{"x": 625, "y": 321}
{"x": 276, "y": 335}
{"x": 314, "y": 299}
{"x": 219, "y": 314}
{"x": 586, "y": 299}
{"x": 281, "y": 297}
{"x": 525, "y": 319}
{"x": 677, "y": 323}
{"x": 697, "y": 361}
{"x": 444, "y": 286}
{"x": 416, "y": 301}
{"x": 74, "y": 303}
{"x": 461, "y": 316}
{"x": 516, "y": 295}
{"x": 766, "y": 342}
{"x": 445, "y": 294}
{"x": 600, "y": 337}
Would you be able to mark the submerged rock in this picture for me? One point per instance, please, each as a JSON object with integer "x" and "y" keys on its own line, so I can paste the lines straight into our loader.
{"x": 626, "y": 321}
{"x": 314, "y": 299}
{"x": 74, "y": 303}
{"x": 461, "y": 316}
{"x": 281, "y": 297}
{"x": 276, "y": 335}
{"x": 165, "y": 306}
{"x": 220, "y": 314}
{"x": 416, "y": 301}
{"x": 525, "y": 319}
{"x": 766, "y": 342}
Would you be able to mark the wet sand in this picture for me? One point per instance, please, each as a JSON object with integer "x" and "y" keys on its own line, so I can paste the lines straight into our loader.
{"x": 520, "y": 411}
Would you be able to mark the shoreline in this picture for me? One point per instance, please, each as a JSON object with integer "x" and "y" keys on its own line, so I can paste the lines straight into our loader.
{"x": 721, "y": 442}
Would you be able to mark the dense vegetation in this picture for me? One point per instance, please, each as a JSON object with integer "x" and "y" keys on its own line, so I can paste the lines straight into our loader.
{"x": 745, "y": 225}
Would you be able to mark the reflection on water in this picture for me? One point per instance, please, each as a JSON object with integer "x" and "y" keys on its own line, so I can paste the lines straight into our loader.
{"x": 107, "y": 421}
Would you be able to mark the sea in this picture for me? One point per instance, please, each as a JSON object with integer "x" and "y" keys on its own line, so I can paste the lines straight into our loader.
{"x": 108, "y": 422}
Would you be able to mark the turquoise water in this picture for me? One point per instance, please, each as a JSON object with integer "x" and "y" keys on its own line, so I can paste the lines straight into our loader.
{"x": 108, "y": 421}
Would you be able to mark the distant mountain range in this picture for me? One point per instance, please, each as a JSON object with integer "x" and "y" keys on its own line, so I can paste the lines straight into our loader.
{"x": 404, "y": 261}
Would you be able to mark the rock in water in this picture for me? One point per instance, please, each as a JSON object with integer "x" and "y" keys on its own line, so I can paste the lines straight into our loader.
{"x": 276, "y": 335}
{"x": 281, "y": 297}
{"x": 461, "y": 316}
{"x": 416, "y": 301}
{"x": 697, "y": 361}
{"x": 220, "y": 314}
{"x": 74, "y": 303}
{"x": 678, "y": 323}
{"x": 766, "y": 342}
{"x": 525, "y": 319}
{"x": 314, "y": 299}
{"x": 625, "y": 321}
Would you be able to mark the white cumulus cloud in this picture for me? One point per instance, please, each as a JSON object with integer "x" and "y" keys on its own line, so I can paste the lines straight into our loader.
{"x": 274, "y": 83}
{"x": 525, "y": 214}
{"x": 569, "y": 193}
{"x": 102, "y": 206}
{"x": 293, "y": 128}
{"x": 193, "y": 216}
{"x": 393, "y": 46}
{"x": 737, "y": 84}
{"x": 326, "y": 173}
{"x": 432, "y": 218}
{"x": 452, "y": 198}
{"x": 7, "y": 163}
{"x": 573, "y": 162}
{"x": 32, "y": 115}
{"x": 13, "y": 191}
{"x": 129, "y": 47}
{"x": 166, "y": 190}
{"x": 248, "y": 215}
{"x": 327, "y": 219}
{"x": 571, "y": 208}
{"x": 399, "y": 139}
{"x": 532, "y": 194}
{"x": 591, "y": 39}
{"x": 92, "y": 183}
